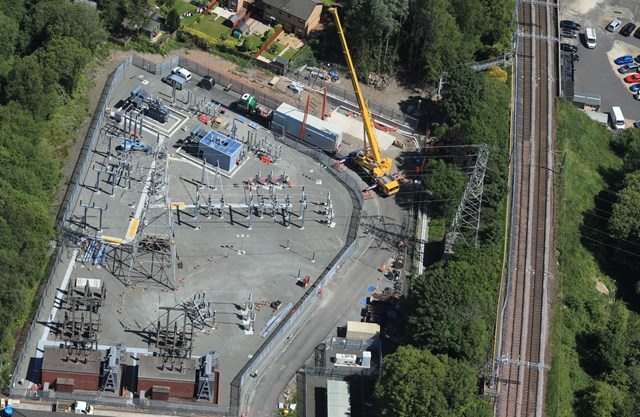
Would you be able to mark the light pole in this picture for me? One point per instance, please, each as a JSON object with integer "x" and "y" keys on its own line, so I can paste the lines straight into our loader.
{"x": 241, "y": 237}
{"x": 418, "y": 111}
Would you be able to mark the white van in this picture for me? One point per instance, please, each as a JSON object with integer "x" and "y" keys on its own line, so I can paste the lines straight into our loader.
{"x": 182, "y": 73}
{"x": 590, "y": 37}
{"x": 617, "y": 119}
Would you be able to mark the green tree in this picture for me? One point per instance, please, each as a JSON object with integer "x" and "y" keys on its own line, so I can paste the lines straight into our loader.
{"x": 63, "y": 59}
{"x": 463, "y": 93}
{"x": 445, "y": 185}
{"x": 60, "y": 18}
{"x": 112, "y": 13}
{"x": 137, "y": 12}
{"x": 9, "y": 33}
{"x": 433, "y": 39}
{"x": 451, "y": 305}
{"x": 26, "y": 85}
{"x": 374, "y": 46}
{"x": 612, "y": 348}
{"x": 416, "y": 383}
{"x": 602, "y": 400}
{"x": 252, "y": 43}
{"x": 229, "y": 43}
{"x": 624, "y": 222}
{"x": 173, "y": 20}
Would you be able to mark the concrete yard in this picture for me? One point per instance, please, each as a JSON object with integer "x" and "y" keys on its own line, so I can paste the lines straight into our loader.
{"x": 219, "y": 257}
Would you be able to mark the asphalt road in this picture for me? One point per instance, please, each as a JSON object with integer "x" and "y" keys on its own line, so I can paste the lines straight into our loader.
{"x": 341, "y": 294}
{"x": 595, "y": 72}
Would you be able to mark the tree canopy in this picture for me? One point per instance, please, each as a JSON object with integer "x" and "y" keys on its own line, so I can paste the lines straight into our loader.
{"x": 45, "y": 47}
{"x": 415, "y": 382}
{"x": 427, "y": 38}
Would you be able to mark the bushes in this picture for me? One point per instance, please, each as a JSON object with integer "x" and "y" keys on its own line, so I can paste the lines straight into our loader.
{"x": 40, "y": 109}
{"x": 252, "y": 43}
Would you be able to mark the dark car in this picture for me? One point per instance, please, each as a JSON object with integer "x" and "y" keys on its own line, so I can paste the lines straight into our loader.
{"x": 566, "y": 47}
{"x": 569, "y": 33}
{"x": 636, "y": 34}
{"x": 627, "y": 29}
{"x": 570, "y": 24}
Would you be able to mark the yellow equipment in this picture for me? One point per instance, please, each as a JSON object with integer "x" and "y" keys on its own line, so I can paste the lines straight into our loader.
{"x": 369, "y": 158}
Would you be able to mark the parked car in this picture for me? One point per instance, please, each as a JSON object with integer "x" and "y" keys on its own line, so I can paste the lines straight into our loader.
{"x": 637, "y": 59}
{"x": 636, "y": 34}
{"x": 636, "y": 124}
{"x": 635, "y": 88}
{"x": 570, "y": 24}
{"x": 633, "y": 78}
{"x": 626, "y": 59}
{"x": 627, "y": 29}
{"x": 614, "y": 25}
{"x": 575, "y": 57}
{"x": 182, "y": 72}
{"x": 567, "y": 47}
{"x": 637, "y": 95}
{"x": 627, "y": 68}
{"x": 569, "y": 33}
{"x": 295, "y": 87}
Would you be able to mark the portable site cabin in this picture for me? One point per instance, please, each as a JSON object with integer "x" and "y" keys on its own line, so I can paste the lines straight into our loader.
{"x": 317, "y": 132}
{"x": 176, "y": 80}
{"x": 216, "y": 148}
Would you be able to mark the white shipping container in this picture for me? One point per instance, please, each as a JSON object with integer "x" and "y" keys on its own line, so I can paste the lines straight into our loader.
{"x": 317, "y": 132}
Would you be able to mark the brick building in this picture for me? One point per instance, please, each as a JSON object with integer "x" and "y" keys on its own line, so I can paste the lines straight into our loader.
{"x": 67, "y": 373}
{"x": 180, "y": 380}
{"x": 296, "y": 16}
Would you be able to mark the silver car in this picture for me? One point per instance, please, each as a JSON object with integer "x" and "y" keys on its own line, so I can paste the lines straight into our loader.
{"x": 628, "y": 68}
{"x": 614, "y": 25}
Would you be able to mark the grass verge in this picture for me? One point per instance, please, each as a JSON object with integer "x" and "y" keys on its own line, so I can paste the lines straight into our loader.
{"x": 584, "y": 146}
{"x": 212, "y": 26}
{"x": 278, "y": 48}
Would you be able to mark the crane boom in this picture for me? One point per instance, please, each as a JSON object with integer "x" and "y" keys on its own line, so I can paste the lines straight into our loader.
{"x": 364, "y": 109}
{"x": 369, "y": 159}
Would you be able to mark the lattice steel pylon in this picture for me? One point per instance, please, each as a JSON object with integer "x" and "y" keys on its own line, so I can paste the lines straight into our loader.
{"x": 466, "y": 222}
{"x": 153, "y": 248}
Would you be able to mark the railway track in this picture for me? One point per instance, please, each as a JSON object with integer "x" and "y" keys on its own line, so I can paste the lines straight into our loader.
{"x": 525, "y": 319}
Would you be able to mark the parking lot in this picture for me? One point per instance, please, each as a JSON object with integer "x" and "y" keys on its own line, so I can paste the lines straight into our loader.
{"x": 595, "y": 72}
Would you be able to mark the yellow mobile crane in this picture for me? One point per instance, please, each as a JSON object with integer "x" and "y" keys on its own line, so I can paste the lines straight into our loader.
{"x": 369, "y": 158}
